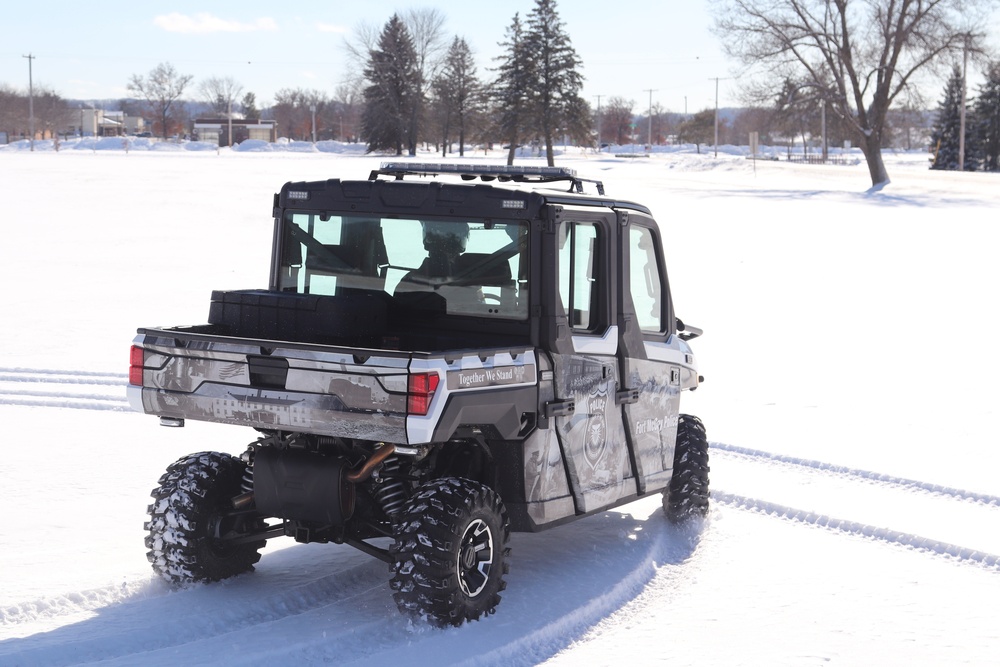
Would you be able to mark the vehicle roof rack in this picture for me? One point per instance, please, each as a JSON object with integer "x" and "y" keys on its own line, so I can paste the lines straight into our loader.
{"x": 486, "y": 172}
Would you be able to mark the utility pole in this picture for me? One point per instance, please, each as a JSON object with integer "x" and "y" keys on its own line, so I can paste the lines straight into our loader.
{"x": 650, "y": 118}
{"x": 716, "y": 117}
{"x": 716, "y": 79}
{"x": 31, "y": 103}
{"x": 961, "y": 109}
{"x": 822, "y": 115}
{"x": 312, "y": 108}
{"x": 598, "y": 123}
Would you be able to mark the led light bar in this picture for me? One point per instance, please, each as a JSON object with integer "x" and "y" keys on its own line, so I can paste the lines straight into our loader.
{"x": 486, "y": 172}
{"x": 476, "y": 170}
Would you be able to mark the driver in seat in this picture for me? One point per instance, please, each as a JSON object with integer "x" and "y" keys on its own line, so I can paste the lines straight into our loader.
{"x": 444, "y": 242}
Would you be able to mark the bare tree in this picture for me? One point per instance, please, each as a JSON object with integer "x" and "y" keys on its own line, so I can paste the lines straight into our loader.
{"x": 357, "y": 48}
{"x": 293, "y": 111}
{"x": 10, "y": 110}
{"x": 659, "y": 123}
{"x": 618, "y": 120}
{"x": 753, "y": 119}
{"x": 857, "y": 55}
{"x": 161, "y": 89}
{"x": 221, "y": 92}
{"x": 348, "y": 99}
{"x": 51, "y": 111}
{"x": 426, "y": 27}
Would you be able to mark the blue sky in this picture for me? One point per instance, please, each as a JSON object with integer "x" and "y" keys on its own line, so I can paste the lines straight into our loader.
{"x": 89, "y": 51}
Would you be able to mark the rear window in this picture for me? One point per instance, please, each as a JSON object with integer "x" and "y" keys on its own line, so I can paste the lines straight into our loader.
{"x": 465, "y": 267}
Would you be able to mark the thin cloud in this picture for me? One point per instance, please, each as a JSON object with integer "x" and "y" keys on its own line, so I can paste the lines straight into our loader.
{"x": 206, "y": 23}
{"x": 330, "y": 27}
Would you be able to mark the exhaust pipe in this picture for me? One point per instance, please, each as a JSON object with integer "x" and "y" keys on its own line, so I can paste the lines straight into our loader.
{"x": 366, "y": 469}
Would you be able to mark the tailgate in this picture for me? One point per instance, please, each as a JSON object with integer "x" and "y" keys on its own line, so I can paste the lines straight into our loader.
{"x": 320, "y": 389}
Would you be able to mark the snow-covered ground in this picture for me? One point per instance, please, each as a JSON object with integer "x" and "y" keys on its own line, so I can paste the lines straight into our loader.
{"x": 851, "y": 365}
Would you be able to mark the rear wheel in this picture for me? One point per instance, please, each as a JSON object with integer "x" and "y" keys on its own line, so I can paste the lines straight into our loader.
{"x": 687, "y": 494}
{"x": 450, "y": 552}
{"x": 190, "y": 514}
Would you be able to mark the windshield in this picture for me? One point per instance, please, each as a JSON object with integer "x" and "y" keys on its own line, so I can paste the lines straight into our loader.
{"x": 462, "y": 267}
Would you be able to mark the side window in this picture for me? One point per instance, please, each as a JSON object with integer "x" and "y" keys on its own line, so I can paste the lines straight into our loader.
{"x": 577, "y": 274}
{"x": 644, "y": 279}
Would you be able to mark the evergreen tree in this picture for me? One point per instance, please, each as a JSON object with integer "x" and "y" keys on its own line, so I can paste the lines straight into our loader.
{"x": 249, "y": 104}
{"x": 458, "y": 94}
{"x": 556, "y": 84}
{"x": 946, "y": 130}
{"x": 511, "y": 96}
{"x": 393, "y": 96}
{"x": 699, "y": 129}
{"x": 987, "y": 112}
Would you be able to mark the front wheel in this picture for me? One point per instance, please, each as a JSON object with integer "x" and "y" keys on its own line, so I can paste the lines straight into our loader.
{"x": 687, "y": 494}
{"x": 450, "y": 552}
{"x": 190, "y": 513}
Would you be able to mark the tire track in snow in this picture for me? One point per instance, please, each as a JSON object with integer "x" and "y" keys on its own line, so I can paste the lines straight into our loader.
{"x": 42, "y": 609}
{"x": 65, "y": 377}
{"x": 938, "y": 489}
{"x": 354, "y": 609}
{"x": 156, "y": 621}
{"x": 82, "y": 390}
{"x": 886, "y": 535}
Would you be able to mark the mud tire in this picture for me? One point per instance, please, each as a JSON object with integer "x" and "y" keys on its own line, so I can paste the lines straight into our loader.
{"x": 191, "y": 497}
{"x": 687, "y": 495}
{"x": 450, "y": 552}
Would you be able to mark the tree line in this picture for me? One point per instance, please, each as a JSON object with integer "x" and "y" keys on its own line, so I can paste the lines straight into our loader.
{"x": 843, "y": 71}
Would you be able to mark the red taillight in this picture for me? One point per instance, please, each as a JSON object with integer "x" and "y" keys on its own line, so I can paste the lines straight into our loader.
{"x": 135, "y": 366}
{"x": 420, "y": 390}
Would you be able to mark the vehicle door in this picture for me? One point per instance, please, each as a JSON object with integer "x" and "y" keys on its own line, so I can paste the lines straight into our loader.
{"x": 649, "y": 362}
{"x": 586, "y": 367}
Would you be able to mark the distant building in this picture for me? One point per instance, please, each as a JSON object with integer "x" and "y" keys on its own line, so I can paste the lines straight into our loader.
{"x": 216, "y": 130}
{"x": 131, "y": 125}
{"x": 91, "y": 122}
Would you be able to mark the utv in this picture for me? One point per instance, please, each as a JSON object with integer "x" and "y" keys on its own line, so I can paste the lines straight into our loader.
{"x": 433, "y": 365}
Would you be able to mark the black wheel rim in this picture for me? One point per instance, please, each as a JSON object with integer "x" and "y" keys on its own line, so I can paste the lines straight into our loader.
{"x": 475, "y": 558}
{"x": 216, "y": 526}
